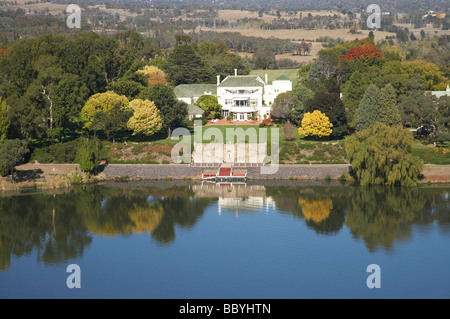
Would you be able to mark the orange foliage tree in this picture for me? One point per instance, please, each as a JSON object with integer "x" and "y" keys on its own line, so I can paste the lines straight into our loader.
{"x": 366, "y": 53}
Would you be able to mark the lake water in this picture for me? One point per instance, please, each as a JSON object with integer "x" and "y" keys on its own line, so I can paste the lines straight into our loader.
{"x": 286, "y": 240}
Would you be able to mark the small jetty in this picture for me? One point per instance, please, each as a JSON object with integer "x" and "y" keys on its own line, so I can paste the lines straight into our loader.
{"x": 225, "y": 174}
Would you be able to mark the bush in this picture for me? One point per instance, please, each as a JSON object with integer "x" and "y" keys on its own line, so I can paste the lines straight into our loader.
{"x": 89, "y": 155}
{"x": 12, "y": 153}
{"x": 42, "y": 155}
{"x": 288, "y": 130}
{"x": 265, "y": 122}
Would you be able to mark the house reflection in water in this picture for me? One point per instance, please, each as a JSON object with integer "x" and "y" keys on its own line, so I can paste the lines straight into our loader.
{"x": 236, "y": 197}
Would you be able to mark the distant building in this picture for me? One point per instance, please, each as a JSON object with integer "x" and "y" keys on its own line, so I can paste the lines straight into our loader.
{"x": 195, "y": 111}
{"x": 438, "y": 94}
{"x": 243, "y": 96}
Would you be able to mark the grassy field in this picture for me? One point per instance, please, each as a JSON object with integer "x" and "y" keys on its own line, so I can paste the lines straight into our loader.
{"x": 234, "y": 15}
{"x": 307, "y": 35}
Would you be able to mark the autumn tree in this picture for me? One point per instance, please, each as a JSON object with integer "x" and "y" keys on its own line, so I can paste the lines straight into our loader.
{"x": 330, "y": 104}
{"x": 316, "y": 210}
{"x": 381, "y": 155}
{"x": 153, "y": 75}
{"x": 315, "y": 124}
{"x": 145, "y": 119}
{"x": 430, "y": 73}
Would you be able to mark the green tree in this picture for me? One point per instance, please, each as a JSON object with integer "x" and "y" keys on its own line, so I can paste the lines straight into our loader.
{"x": 301, "y": 95}
{"x": 368, "y": 112}
{"x": 352, "y": 94}
{"x": 331, "y": 105}
{"x": 210, "y": 105}
{"x": 282, "y": 106}
{"x": 443, "y": 122}
{"x": 381, "y": 155}
{"x": 89, "y": 155}
{"x": 184, "y": 66}
{"x": 172, "y": 112}
{"x": 106, "y": 111}
{"x": 4, "y": 120}
{"x": 12, "y": 153}
{"x": 387, "y": 102}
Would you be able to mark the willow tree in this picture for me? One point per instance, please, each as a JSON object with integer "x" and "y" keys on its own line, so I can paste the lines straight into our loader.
{"x": 381, "y": 155}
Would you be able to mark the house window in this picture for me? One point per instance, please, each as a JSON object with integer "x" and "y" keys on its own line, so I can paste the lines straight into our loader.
{"x": 241, "y": 103}
{"x": 242, "y": 116}
{"x": 225, "y": 113}
{"x": 228, "y": 102}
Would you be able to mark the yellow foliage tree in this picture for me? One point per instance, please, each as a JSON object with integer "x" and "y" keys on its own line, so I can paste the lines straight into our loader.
{"x": 153, "y": 75}
{"x": 144, "y": 219}
{"x": 315, "y": 124}
{"x": 101, "y": 103}
{"x": 316, "y": 210}
{"x": 432, "y": 76}
{"x": 146, "y": 119}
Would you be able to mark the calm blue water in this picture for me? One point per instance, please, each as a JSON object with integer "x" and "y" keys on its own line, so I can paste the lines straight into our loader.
{"x": 255, "y": 241}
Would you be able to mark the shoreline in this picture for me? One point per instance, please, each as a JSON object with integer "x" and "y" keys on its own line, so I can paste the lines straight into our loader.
{"x": 54, "y": 176}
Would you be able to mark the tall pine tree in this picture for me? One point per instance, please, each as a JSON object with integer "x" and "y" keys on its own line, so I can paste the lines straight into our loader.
{"x": 389, "y": 113}
{"x": 369, "y": 110}
{"x": 352, "y": 95}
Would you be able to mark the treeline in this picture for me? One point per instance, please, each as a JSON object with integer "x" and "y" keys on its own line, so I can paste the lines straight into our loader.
{"x": 54, "y": 88}
{"x": 358, "y": 83}
{"x": 240, "y": 43}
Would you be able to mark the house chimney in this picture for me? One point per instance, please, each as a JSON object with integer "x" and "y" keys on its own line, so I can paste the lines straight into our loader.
{"x": 267, "y": 79}
{"x": 218, "y": 79}
{"x": 235, "y": 72}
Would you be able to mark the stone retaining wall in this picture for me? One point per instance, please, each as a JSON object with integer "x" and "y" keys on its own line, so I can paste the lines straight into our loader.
{"x": 161, "y": 171}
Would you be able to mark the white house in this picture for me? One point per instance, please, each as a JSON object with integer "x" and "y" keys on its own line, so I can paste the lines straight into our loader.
{"x": 245, "y": 97}
{"x": 438, "y": 94}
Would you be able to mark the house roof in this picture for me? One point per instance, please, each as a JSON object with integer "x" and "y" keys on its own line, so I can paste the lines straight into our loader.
{"x": 190, "y": 90}
{"x": 242, "y": 81}
{"x": 194, "y": 109}
{"x": 282, "y": 78}
{"x": 438, "y": 94}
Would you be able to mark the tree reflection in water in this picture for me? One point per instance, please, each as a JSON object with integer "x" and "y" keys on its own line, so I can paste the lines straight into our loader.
{"x": 60, "y": 226}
